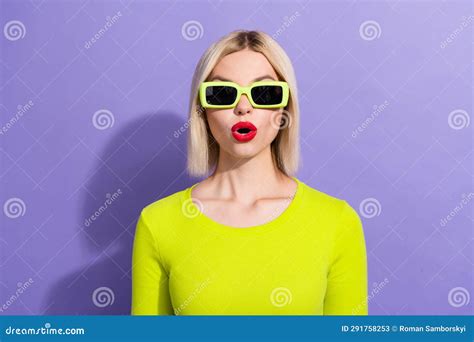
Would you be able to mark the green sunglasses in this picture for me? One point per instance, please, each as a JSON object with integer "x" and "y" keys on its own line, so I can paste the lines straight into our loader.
{"x": 261, "y": 94}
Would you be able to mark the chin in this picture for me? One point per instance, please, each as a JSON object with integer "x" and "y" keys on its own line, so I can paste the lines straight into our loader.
{"x": 244, "y": 150}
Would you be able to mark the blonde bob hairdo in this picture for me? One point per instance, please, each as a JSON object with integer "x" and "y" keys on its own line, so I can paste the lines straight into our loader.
{"x": 203, "y": 150}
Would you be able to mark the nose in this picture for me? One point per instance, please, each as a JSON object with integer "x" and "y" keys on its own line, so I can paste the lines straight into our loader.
{"x": 243, "y": 106}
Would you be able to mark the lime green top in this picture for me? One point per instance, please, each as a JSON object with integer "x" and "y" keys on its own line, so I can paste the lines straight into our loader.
{"x": 310, "y": 260}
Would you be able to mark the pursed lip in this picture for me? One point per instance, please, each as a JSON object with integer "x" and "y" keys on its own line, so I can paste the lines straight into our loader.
{"x": 244, "y": 136}
{"x": 243, "y": 124}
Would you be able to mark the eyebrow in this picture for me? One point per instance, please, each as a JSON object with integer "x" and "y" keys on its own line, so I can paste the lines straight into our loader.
{"x": 255, "y": 80}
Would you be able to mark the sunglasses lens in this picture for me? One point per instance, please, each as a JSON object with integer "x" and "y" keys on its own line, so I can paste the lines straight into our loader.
{"x": 220, "y": 95}
{"x": 267, "y": 94}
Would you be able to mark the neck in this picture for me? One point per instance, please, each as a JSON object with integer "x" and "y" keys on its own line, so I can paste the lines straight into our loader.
{"x": 247, "y": 178}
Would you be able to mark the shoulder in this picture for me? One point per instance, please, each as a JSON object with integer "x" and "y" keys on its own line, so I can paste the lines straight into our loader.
{"x": 328, "y": 206}
{"x": 313, "y": 197}
{"x": 341, "y": 220}
{"x": 164, "y": 207}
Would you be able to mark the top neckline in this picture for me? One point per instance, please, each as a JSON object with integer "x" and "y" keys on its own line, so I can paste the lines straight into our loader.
{"x": 204, "y": 220}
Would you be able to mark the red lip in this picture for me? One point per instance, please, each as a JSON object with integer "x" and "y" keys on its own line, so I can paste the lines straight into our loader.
{"x": 244, "y": 131}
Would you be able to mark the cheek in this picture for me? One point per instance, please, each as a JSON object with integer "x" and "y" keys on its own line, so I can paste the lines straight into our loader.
{"x": 270, "y": 124}
{"x": 218, "y": 121}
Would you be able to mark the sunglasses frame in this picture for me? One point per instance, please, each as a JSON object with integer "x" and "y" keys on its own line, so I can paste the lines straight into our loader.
{"x": 244, "y": 90}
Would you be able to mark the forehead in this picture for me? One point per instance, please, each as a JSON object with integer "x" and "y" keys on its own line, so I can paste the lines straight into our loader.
{"x": 243, "y": 66}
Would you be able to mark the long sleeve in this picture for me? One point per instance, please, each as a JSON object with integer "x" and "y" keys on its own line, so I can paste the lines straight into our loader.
{"x": 150, "y": 291}
{"x": 346, "y": 292}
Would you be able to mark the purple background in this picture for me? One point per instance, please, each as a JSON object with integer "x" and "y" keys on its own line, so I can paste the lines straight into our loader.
{"x": 414, "y": 158}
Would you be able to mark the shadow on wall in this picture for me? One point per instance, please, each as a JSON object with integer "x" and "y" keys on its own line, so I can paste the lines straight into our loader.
{"x": 151, "y": 166}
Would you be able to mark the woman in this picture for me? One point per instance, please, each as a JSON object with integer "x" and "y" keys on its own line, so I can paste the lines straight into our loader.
{"x": 251, "y": 238}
